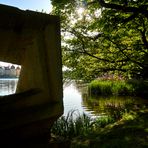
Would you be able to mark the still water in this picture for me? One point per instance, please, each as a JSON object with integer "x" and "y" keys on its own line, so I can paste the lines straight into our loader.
{"x": 7, "y": 86}
{"x": 76, "y": 98}
{"x": 72, "y": 97}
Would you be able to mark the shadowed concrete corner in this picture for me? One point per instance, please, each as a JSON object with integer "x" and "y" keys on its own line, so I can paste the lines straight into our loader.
{"x": 32, "y": 40}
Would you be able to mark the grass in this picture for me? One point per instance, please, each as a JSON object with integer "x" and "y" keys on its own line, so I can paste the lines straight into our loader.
{"x": 121, "y": 127}
{"x": 81, "y": 131}
{"x": 75, "y": 124}
{"x": 128, "y": 132}
{"x": 126, "y": 88}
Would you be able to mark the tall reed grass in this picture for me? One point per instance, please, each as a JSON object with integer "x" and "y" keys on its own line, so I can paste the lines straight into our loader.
{"x": 110, "y": 87}
{"x": 76, "y": 124}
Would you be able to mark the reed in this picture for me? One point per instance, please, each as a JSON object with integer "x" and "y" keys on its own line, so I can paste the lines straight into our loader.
{"x": 112, "y": 87}
{"x": 76, "y": 124}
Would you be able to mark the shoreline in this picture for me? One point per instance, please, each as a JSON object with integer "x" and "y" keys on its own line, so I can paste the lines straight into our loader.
{"x": 9, "y": 78}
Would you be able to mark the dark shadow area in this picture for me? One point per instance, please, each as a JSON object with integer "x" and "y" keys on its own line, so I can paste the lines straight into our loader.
{"x": 123, "y": 134}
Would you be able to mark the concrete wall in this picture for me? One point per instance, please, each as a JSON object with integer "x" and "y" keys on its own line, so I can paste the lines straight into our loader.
{"x": 32, "y": 40}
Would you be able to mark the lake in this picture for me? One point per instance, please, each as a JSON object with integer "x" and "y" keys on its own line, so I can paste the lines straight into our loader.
{"x": 8, "y": 86}
{"x": 76, "y": 98}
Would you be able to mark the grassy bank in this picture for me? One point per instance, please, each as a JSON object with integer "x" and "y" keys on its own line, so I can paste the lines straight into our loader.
{"x": 81, "y": 131}
{"x": 76, "y": 124}
{"x": 124, "y": 124}
{"x": 110, "y": 87}
{"x": 129, "y": 132}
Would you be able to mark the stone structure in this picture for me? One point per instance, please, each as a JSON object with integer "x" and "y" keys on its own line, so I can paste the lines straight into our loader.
{"x": 32, "y": 40}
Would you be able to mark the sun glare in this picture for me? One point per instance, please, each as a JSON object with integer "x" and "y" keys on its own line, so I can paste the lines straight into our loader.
{"x": 80, "y": 11}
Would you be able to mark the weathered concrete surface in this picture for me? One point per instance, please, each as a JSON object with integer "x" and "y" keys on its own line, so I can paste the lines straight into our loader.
{"x": 32, "y": 40}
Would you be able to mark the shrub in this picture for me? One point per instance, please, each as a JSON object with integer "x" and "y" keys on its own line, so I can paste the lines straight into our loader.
{"x": 140, "y": 87}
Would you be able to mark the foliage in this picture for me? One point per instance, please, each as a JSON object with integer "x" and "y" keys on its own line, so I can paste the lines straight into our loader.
{"x": 101, "y": 87}
{"x": 69, "y": 127}
{"x": 118, "y": 134}
{"x": 74, "y": 125}
{"x": 109, "y": 87}
{"x": 100, "y": 37}
{"x": 140, "y": 87}
{"x": 122, "y": 134}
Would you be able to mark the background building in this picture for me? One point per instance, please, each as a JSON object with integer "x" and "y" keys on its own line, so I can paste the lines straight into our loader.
{"x": 10, "y": 71}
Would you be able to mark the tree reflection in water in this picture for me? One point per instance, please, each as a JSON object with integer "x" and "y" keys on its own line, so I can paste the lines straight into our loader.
{"x": 113, "y": 106}
{"x": 76, "y": 98}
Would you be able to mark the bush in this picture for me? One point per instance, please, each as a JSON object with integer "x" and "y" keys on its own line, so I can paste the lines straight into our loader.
{"x": 140, "y": 87}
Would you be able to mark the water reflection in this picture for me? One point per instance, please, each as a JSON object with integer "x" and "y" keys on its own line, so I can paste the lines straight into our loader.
{"x": 114, "y": 105}
{"x": 72, "y": 98}
{"x": 76, "y": 98}
{"x": 8, "y": 86}
{"x": 99, "y": 105}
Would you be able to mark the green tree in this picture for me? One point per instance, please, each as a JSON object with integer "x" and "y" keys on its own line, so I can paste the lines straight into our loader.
{"x": 104, "y": 37}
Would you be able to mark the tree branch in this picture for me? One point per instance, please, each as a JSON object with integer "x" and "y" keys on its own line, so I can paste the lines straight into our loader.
{"x": 143, "y": 33}
{"x": 131, "y": 17}
{"x": 122, "y": 51}
{"x": 141, "y": 9}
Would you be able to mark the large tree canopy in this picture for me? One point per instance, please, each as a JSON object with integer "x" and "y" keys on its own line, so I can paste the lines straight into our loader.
{"x": 104, "y": 37}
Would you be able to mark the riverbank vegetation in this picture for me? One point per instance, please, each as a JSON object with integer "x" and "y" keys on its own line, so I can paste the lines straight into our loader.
{"x": 82, "y": 131}
{"x": 76, "y": 124}
{"x": 120, "y": 87}
{"x": 106, "y": 37}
